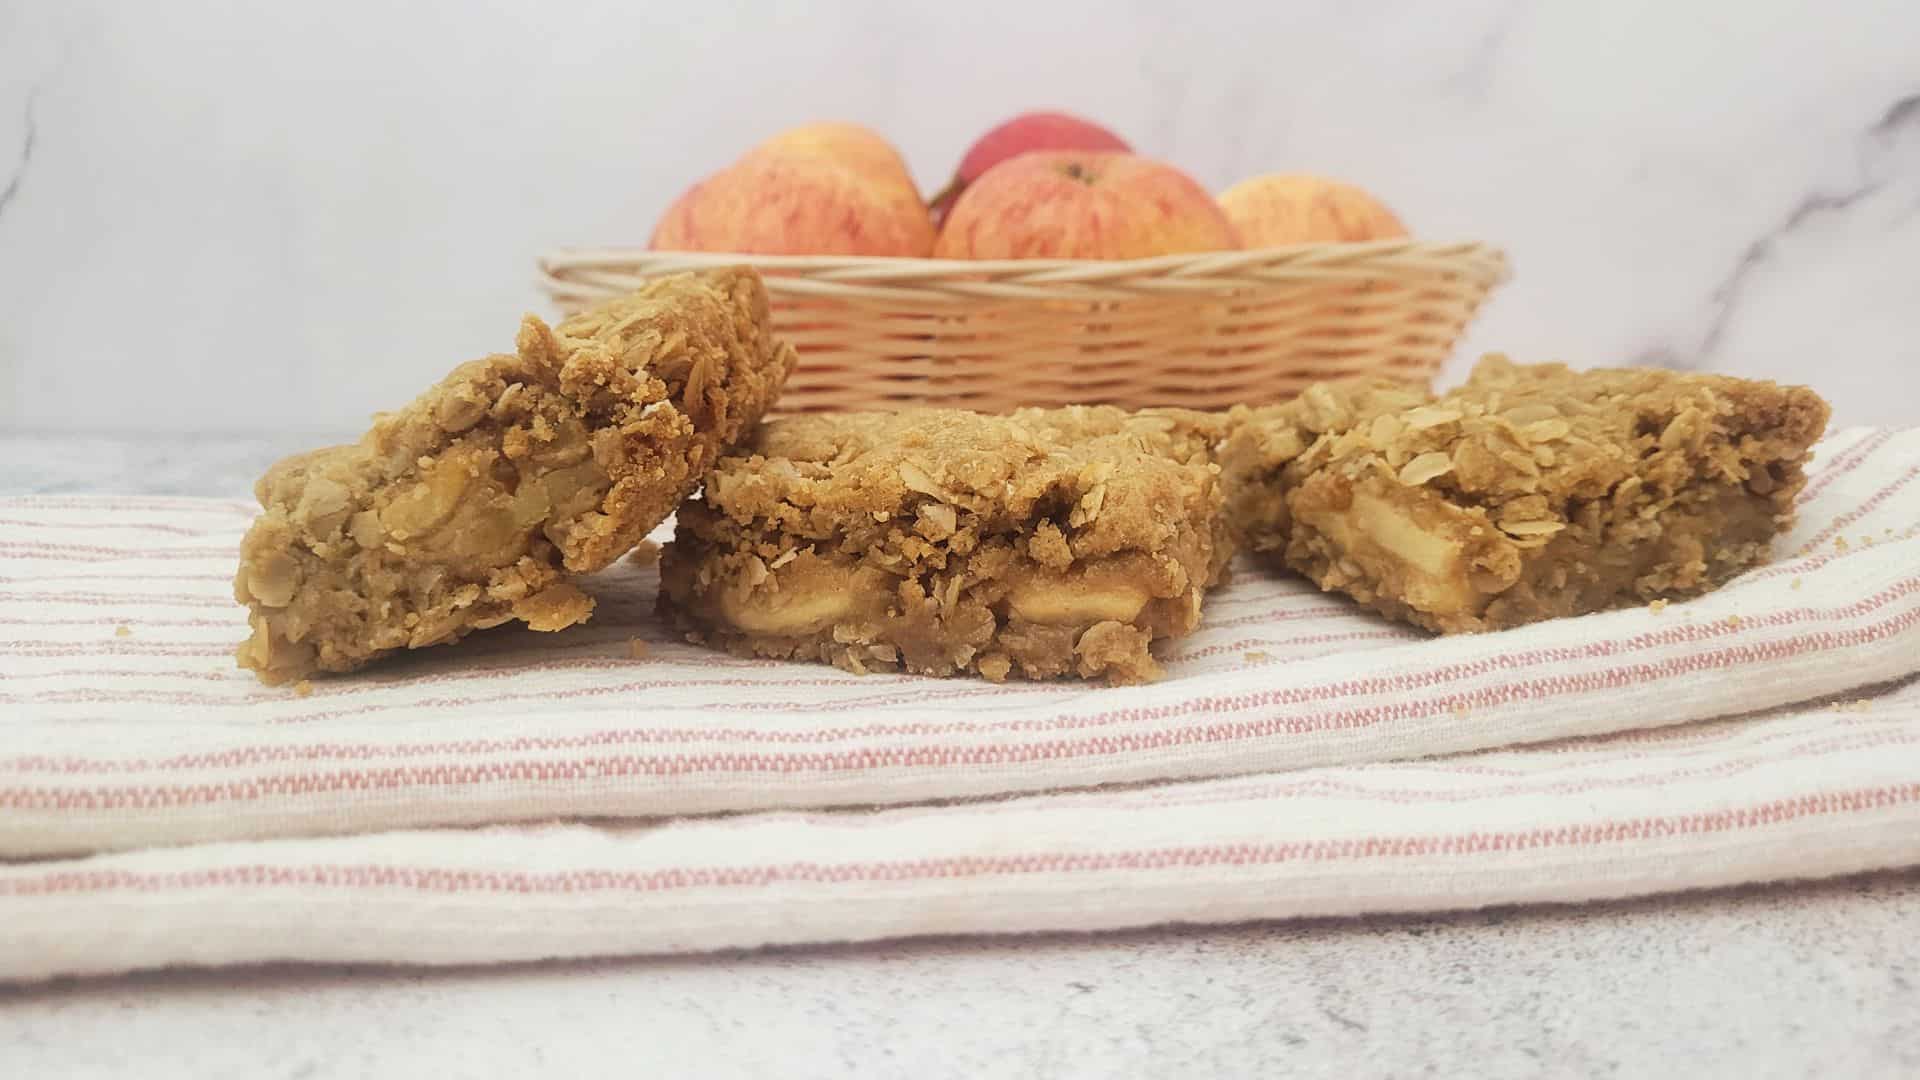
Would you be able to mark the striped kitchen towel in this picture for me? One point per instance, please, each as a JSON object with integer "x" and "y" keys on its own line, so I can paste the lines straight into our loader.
{"x": 1302, "y": 757}
{"x": 1803, "y": 792}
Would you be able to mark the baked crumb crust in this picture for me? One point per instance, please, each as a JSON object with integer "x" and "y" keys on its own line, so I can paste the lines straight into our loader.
{"x": 1530, "y": 492}
{"x": 1042, "y": 543}
{"x": 471, "y": 506}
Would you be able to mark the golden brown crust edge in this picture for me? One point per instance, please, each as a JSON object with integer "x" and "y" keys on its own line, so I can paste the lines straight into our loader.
{"x": 723, "y": 371}
{"x": 472, "y": 505}
{"x": 1045, "y": 543}
{"x": 1263, "y": 443}
{"x": 1531, "y": 492}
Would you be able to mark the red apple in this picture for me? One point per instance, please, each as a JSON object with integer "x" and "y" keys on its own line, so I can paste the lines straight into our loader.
{"x": 783, "y": 202}
{"x": 1022, "y": 134}
{"x": 1074, "y": 204}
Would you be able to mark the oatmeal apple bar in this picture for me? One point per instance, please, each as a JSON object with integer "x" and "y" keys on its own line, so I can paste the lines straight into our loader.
{"x": 471, "y": 506}
{"x": 1045, "y": 543}
{"x": 1529, "y": 493}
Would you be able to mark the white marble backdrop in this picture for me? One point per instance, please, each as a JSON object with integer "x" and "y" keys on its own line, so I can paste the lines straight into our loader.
{"x": 281, "y": 216}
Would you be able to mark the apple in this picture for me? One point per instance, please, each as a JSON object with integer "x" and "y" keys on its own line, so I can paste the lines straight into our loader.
{"x": 858, "y": 148}
{"x": 1073, "y": 204}
{"x": 1296, "y": 208}
{"x": 1023, "y": 134}
{"x": 785, "y": 201}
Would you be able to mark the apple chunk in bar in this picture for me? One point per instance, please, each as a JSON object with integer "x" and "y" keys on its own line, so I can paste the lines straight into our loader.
{"x": 1046, "y": 543}
{"x": 1531, "y": 492}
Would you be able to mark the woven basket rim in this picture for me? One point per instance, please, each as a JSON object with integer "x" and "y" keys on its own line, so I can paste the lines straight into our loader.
{"x": 1204, "y": 330}
{"x": 578, "y": 272}
{"x": 1193, "y": 263}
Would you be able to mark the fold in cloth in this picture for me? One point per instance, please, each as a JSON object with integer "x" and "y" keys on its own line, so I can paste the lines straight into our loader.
{"x": 1802, "y": 793}
{"x": 289, "y": 827}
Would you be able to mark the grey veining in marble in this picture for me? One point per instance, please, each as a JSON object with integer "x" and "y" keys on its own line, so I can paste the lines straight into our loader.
{"x": 29, "y": 133}
{"x": 1880, "y": 164}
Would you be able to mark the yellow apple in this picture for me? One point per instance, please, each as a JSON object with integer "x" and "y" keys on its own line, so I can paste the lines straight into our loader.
{"x": 858, "y": 148}
{"x": 1295, "y": 208}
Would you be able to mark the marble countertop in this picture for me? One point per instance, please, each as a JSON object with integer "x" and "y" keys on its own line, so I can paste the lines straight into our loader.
{"x": 1803, "y": 981}
{"x": 1789, "y": 980}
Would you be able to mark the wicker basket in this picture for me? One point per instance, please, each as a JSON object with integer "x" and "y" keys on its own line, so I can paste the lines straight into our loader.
{"x": 1204, "y": 331}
